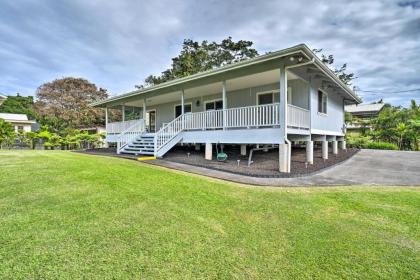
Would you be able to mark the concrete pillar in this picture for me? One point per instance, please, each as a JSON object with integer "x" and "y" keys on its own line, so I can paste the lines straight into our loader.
{"x": 343, "y": 145}
{"x": 325, "y": 149}
{"x": 209, "y": 151}
{"x": 310, "y": 152}
{"x": 284, "y": 158}
{"x": 197, "y": 147}
{"x": 335, "y": 147}
{"x": 243, "y": 150}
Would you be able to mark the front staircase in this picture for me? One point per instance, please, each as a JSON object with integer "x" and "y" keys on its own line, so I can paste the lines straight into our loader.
{"x": 141, "y": 145}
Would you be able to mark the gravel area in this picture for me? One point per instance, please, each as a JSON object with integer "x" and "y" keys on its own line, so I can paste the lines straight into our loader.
{"x": 265, "y": 164}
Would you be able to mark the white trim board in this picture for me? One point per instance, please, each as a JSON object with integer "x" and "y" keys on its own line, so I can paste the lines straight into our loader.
{"x": 326, "y": 132}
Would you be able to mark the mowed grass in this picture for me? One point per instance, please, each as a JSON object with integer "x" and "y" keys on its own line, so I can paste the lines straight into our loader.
{"x": 68, "y": 215}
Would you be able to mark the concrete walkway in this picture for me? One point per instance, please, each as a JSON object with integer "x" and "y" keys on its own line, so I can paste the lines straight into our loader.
{"x": 368, "y": 167}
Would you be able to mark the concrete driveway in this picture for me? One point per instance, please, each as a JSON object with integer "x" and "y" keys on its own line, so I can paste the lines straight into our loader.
{"x": 368, "y": 167}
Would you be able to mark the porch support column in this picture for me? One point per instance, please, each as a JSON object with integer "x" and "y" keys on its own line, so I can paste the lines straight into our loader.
{"x": 325, "y": 149}
{"x": 144, "y": 109}
{"x": 224, "y": 103}
{"x": 343, "y": 145}
{"x": 284, "y": 145}
{"x": 335, "y": 147}
{"x": 310, "y": 152}
{"x": 182, "y": 102}
{"x": 123, "y": 112}
{"x": 106, "y": 119}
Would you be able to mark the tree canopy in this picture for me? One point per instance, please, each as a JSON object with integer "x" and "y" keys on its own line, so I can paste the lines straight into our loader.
{"x": 19, "y": 105}
{"x": 65, "y": 103}
{"x": 197, "y": 57}
{"x": 341, "y": 72}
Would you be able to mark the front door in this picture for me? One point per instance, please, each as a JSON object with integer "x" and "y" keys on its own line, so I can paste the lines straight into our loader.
{"x": 151, "y": 120}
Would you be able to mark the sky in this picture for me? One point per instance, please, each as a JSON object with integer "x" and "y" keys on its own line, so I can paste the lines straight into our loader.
{"x": 117, "y": 44}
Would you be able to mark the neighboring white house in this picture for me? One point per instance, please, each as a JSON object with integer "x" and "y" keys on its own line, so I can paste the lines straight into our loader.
{"x": 364, "y": 112}
{"x": 273, "y": 99}
{"x": 2, "y": 98}
{"x": 20, "y": 122}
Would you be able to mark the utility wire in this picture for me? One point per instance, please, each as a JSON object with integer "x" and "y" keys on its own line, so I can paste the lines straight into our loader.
{"x": 387, "y": 92}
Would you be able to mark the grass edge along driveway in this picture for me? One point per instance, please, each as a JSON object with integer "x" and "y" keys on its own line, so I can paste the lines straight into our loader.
{"x": 68, "y": 215}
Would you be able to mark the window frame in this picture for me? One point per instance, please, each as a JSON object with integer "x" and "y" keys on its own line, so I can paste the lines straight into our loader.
{"x": 185, "y": 104}
{"x": 214, "y": 102}
{"x": 323, "y": 110}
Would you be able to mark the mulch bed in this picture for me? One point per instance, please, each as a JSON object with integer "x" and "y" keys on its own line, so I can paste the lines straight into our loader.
{"x": 265, "y": 164}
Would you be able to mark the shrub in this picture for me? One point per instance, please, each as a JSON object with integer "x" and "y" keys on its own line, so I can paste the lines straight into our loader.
{"x": 357, "y": 141}
{"x": 381, "y": 146}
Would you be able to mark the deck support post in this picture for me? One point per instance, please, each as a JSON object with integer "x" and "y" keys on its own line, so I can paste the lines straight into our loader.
{"x": 224, "y": 103}
{"x": 123, "y": 112}
{"x": 343, "y": 145}
{"x": 209, "y": 151}
{"x": 197, "y": 146}
{"x": 325, "y": 149}
{"x": 335, "y": 147}
{"x": 182, "y": 102}
{"x": 284, "y": 159}
{"x": 310, "y": 152}
{"x": 243, "y": 150}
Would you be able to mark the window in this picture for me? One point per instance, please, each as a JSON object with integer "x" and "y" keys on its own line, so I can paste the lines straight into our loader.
{"x": 322, "y": 102}
{"x": 178, "y": 109}
{"x": 20, "y": 128}
{"x": 265, "y": 98}
{"x": 214, "y": 105}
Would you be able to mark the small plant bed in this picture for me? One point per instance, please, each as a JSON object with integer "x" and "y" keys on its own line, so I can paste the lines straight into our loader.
{"x": 265, "y": 164}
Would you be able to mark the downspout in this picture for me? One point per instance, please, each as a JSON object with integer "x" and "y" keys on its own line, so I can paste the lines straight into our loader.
{"x": 289, "y": 150}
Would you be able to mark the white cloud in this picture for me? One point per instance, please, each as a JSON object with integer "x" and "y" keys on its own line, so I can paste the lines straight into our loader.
{"x": 116, "y": 44}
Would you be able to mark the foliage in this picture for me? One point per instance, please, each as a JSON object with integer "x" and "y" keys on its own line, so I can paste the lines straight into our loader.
{"x": 381, "y": 146}
{"x": 19, "y": 105}
{"x": 341, "y": 72}
{"x": 357, "y": 141}
{"x": 197, "y": 57}
{"x": 72, "y": 216}
{"x": 65, "y": 103}
{"x": 396, "y": 125}
{"x": 7, "y": 133}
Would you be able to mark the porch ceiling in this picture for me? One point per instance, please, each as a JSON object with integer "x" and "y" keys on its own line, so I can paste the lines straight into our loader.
{"x": 259, "y": 79}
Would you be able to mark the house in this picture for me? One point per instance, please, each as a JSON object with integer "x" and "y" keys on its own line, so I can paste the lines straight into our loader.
{"x": 273, "y": 99}
{"x": 20, "y": 122}
{"x": 2, "y": 98}
{"x": 363, "y": 112}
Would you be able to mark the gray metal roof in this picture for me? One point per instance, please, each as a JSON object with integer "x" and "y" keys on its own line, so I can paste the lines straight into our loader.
{"x": 364, "y": 108}
{"x": 302, "y": 48}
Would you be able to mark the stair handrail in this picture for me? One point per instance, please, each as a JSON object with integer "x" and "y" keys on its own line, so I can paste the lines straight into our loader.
{"x": 168, "y": 132}
{"x": 130, "y": 134}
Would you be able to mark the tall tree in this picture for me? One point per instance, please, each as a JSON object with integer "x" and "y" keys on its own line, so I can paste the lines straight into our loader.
{"x": 197, "y": 57}
{"x": 65, "y": 103}
{"x": 19, "y": 105}
{"x": 341, "y": 72}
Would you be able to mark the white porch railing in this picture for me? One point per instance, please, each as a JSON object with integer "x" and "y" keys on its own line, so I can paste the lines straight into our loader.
{"x": 129, "y": 134}
{"x": 169, "y": 131}
{"x": 298, "y": 117}
{"x": 118, "y": 127}
{"x": 252, "y": 116}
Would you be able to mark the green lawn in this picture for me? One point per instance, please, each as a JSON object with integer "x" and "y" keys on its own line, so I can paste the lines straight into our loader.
{"x": 68, "y": 215}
